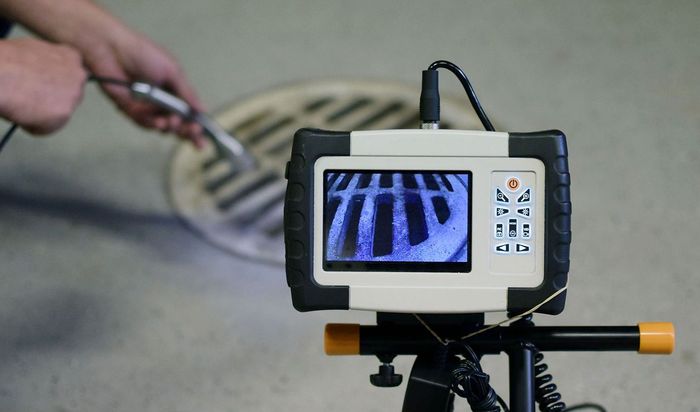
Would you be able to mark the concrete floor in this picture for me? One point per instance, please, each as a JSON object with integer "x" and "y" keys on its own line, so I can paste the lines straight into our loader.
{"x": 107, "y": 303}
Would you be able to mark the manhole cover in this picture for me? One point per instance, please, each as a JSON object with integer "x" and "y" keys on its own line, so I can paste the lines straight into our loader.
{"x": 242, "y": 213}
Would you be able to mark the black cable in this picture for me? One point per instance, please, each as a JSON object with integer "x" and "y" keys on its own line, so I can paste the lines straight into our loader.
{"x": 546, "y": 393}
{"x": 470, "y": 382}
{"x": 503, "y": 403}
{"x": 444, "y": 64}
{"x": 7, "y": 136}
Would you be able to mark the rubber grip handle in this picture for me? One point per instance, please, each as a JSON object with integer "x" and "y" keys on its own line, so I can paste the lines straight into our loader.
{"x": 341, "y": 339}
{"x": 657, "y": 338}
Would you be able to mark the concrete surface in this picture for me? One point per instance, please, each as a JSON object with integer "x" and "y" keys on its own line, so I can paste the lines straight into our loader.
{"x": 108, "y": 304}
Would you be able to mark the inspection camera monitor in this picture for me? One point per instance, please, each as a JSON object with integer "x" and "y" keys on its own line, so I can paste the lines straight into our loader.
{"x": 427, "y": 221}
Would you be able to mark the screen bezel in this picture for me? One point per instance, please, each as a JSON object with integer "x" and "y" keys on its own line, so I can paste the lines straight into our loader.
{"x": 394, "y": 266}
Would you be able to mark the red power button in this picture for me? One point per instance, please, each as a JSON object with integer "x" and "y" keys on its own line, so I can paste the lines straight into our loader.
{"x": 513, "y": 184}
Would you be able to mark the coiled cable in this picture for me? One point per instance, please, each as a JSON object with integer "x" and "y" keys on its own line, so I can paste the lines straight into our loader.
{"x": 546, "y": 393}
{"x": 469, "y": 381}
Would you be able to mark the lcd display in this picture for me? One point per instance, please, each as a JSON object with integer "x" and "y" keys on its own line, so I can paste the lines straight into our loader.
{"x": 397, "y": 220}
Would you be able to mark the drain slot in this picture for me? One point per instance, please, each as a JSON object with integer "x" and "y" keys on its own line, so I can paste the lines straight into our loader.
{"x": 446, "y": 183}
{"x": 430, "y": 182}
{"x": 345, "y": 181}
{"x": 345, "y": 111}
{"x": 442, "y": 211}
{"x": 219, "y": 182}
{"x": 247, "y": 190}
{"x": 284, "y": 146}
{"x": 415, "y": 213}
{"x": 364, "y": 181}
{"x": 386, "y": 180}
{"x": 383, "y": 241}
{"x": 269, "y": 130}
{"x": 318, "y": 104}
{"x": 409, "y": 181}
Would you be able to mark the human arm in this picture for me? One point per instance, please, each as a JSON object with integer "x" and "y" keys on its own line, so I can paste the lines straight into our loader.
{"x": 111, "y": 49}
{"x": 40, "y": 84}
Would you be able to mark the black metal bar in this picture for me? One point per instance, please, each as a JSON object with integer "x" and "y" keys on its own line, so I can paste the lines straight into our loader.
{"x": 522, "y": 379}
{"x": 411, "y": 340}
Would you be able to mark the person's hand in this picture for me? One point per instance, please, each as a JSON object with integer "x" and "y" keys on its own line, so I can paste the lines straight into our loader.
{"x": 41, "y": 84}
{"x": 133, "y": 57}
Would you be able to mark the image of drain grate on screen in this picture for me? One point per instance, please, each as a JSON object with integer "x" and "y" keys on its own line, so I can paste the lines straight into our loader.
{"x": 396, "y": 216}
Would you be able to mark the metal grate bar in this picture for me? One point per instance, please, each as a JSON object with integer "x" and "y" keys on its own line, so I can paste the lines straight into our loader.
{"x": 331, "y": 210}
{"x": 352, "y": 225}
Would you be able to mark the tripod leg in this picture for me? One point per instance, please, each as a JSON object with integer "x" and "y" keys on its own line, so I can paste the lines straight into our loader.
{"x": 428, "y": 388}
{"x": 522, "y": 379}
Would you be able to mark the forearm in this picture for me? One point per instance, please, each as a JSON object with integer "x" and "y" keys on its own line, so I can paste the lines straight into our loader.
{"x": 79, "y": 23}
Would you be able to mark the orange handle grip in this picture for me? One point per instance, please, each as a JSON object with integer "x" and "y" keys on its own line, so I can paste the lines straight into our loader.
{"x": 658, "y": 338}
{"x": 341, "y": 339}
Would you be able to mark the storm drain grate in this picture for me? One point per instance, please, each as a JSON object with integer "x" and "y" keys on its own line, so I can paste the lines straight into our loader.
{"x": 242, "y": 212}
{"x": 396, "y": 216}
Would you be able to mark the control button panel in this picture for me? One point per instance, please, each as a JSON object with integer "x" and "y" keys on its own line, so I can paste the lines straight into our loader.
{"x": 513, "y": 221}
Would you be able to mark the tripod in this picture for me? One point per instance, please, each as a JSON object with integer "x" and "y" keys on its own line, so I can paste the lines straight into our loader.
{"x": 430, "y": 386}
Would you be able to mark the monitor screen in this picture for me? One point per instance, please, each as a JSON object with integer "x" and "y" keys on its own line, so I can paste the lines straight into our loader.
{"x": 379, "y": 220}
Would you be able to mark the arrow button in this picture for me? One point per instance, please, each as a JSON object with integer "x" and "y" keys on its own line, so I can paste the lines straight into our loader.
{"x": 503, "y": 248}
{"x": 520, "y": 248}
